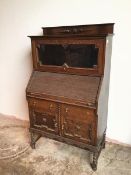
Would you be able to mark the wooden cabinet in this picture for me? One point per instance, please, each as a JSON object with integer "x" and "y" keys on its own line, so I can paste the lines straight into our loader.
{"x": 68, "y": 91}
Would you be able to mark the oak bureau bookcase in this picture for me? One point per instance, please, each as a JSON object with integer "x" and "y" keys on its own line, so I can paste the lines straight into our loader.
{"x": 68, "y": 90}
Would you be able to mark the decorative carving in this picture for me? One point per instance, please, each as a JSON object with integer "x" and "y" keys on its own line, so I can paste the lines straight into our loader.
{"x": 65, "y": 65}
{"x": 72, "y": 31}
{"x": 73, "y": 129}
{"x": 44, "y": 117}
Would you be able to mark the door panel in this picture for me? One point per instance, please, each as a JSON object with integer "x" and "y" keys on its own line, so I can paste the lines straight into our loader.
{"x": 78, "y": 123}
{"x": 43, "y": 115}
{"x": 45, "y": 121}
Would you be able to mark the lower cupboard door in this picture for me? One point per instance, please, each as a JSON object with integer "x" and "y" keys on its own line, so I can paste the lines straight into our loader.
{"x": 45, "y": 121}
{"x": 78, "y": 130}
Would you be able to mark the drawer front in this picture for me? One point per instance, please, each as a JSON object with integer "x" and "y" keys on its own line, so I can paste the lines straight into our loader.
{"x": 43, "y": 105}
{"x": 77, "y": 113}
{"x": 44, "y": 121}
{"x": 78, "y": 123}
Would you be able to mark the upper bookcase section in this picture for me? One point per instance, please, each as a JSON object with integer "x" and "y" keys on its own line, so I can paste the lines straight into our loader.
{"x": 71, "y": 49}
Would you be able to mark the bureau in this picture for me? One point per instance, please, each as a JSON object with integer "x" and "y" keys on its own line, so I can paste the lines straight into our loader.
{"x": 68, "y": 90}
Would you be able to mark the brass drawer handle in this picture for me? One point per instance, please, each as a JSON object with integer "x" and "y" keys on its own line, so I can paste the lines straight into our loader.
{"x": 34, "y": 103}
{"x": 88, "y": 113}
{"x": 66, "y": 110}
{"x": 51, "y": 106}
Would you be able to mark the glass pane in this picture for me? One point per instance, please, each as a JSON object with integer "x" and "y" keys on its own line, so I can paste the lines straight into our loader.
{"x": 73, "y": 55}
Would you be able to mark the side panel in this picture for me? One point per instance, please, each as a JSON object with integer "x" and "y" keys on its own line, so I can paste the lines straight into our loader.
{"x": 102, "y": 109}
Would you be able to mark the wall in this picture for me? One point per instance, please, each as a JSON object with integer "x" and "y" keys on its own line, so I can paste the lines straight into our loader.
{"x": 21, "y": 18}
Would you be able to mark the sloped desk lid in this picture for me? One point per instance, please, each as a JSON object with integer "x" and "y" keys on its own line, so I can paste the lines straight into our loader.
{"x": 64, "y": 88}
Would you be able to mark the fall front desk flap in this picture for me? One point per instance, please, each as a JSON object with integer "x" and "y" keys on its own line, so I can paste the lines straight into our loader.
{"x": 59, "y": 87}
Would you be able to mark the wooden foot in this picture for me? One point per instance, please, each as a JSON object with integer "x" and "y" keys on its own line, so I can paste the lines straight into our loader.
{"x": 34, "y": 138}
{"x": 104, "y": 141}
{"x": 94, "y": 161}
{"x": 96, "y": 154}
{"x": 32, "y": 145}
{"x": 104, "y": 145}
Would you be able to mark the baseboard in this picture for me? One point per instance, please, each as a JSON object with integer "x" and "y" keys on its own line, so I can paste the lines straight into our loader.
{"x": 117, "y": 142}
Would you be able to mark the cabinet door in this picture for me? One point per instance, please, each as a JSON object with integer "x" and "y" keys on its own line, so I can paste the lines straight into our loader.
{"x": 78, "y": 123}
{"x": 44, "y": 115}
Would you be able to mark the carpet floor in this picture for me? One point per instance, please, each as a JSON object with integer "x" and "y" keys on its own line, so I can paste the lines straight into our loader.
{"x": 54, "y": 158}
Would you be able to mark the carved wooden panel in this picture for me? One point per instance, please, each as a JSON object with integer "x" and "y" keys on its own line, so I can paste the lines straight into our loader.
{"x": 78, "y": 123}
{"x": 45, "y": 121}
{"x": 78, "y": 130}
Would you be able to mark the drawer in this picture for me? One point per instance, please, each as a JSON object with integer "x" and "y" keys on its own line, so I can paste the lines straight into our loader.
{"x": 44, "y": 121}
{"x": 77, "y": 113}
{"x": 43, "y": 105}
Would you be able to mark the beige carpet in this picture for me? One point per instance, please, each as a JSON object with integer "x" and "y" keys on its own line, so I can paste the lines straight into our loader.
{"x": 54, "y": 158}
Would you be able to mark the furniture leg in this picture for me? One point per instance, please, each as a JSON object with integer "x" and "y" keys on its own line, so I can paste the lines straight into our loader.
{"x": 94, "y": 161}
{"x": 104, "y": 141}
{"x": 34, "y": 138}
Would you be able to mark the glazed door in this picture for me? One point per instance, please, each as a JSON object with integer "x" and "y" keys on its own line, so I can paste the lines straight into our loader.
{"x": 78, "y": 123}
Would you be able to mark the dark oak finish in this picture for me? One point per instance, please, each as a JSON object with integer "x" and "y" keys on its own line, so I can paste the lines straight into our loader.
{"x": 68, "y": 91}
